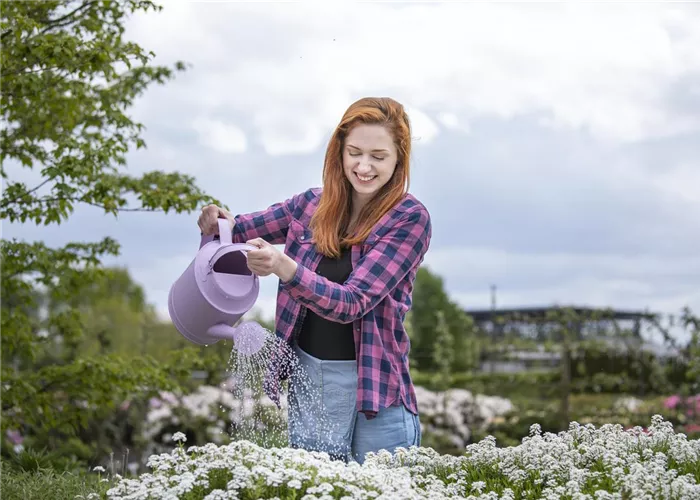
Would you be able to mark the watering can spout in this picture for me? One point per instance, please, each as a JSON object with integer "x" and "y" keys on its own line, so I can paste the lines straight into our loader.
{"x": 222, "y": 331}
{"x": 248, "y": 337}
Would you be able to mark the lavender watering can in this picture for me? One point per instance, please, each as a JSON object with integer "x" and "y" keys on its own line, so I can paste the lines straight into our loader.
{"x": 214, "y": 292}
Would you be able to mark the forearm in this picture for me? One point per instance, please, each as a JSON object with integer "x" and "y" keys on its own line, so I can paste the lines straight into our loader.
{"x": 342, "y": 303}
{"x": 287, "y": 268}
{"x": 374, "y": 275}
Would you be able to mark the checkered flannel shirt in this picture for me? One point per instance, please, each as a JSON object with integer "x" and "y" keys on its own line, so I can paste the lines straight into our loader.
{"x": 375, "y": 298}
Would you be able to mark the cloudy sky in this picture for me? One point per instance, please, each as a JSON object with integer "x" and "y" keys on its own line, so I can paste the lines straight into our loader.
{"x": 557, "y": 146}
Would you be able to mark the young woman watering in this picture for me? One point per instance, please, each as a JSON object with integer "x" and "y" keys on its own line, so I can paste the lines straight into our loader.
{"x": 346, "y": 275}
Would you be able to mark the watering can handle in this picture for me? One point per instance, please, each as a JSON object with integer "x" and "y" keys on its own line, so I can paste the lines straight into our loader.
{"x": 225, "y": 235}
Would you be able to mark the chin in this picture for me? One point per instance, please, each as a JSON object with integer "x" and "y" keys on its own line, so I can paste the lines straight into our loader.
{"x": 365, "y": 190}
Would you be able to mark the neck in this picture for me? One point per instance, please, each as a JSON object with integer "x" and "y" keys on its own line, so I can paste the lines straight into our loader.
{"x": 358, "y": 203}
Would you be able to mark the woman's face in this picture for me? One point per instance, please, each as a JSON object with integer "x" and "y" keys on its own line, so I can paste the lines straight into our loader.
{"x": 369, "y": 159}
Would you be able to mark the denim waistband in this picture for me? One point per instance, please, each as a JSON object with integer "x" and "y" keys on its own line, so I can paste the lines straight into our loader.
{"x": 306, "y": 358}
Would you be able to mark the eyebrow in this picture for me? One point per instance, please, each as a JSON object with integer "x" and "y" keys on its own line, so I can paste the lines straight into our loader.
{"x": 374, "y": 150}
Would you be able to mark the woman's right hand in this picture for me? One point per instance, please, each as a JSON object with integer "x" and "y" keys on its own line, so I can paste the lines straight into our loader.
{"x": 208, "y": 221}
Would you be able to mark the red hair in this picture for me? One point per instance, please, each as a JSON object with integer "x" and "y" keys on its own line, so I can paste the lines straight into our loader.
{"x": 332, "y": 217}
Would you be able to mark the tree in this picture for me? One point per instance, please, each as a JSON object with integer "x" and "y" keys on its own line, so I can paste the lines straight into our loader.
{"x": 429, "y": 298}
{"x": 68, "y": 80}
{"x": 443, "y": 354}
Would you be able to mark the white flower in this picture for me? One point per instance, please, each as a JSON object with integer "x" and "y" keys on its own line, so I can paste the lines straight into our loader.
{"x": 549, "y": 466}
{"x": 98, "y": 468}
{"x": 179, "y": 436}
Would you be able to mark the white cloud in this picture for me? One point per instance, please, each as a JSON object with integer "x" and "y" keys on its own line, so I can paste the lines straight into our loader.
{"x": 606, "y": 69}
{"x": 270, "y": 80}
{"x": 423, "y": 128}
{"x": 682, "y": 182}
{"x": 451, "y": 121}
{"x": 220, "y": 136}
{"x": 527, "y": 279}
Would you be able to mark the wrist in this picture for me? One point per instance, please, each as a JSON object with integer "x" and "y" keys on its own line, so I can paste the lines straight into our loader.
{"x": 287, "y": 268}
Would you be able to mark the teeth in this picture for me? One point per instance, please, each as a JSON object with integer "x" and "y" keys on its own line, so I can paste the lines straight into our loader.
{"x": 363, "y": 178}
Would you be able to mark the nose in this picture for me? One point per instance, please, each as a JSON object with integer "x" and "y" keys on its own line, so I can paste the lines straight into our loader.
{"x": 363, "y": 165}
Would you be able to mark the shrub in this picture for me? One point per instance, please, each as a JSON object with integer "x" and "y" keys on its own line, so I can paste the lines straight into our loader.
{"x": 584, "y": 463}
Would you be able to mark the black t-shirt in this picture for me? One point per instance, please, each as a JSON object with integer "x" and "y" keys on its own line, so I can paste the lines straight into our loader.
{"x": 323, "y": 338}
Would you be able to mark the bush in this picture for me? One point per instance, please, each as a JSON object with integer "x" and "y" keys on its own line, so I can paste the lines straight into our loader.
{"x": 19, "y": 483}
{"x": 535, "y": 384}
{"x": 584, "y": 462}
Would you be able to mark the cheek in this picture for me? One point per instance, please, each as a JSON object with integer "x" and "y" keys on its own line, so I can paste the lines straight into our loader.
{"x": 388, "y": 168}
{"x": 347, "y": 164}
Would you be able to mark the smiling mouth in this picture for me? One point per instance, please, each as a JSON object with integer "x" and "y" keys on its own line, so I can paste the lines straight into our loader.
{"x": 365, "y": 178}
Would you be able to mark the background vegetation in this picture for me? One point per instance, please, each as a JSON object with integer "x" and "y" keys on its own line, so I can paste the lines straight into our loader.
{"x": 84, "y": 353}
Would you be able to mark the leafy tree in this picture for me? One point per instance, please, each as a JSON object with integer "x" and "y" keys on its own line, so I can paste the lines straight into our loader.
{"x": 443, "y": 354}
{"x": 68, "y": 80}
{"x": 429, "y": 298}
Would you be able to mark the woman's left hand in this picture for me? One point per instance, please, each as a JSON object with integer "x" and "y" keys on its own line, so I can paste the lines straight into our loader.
{"x": 268, "y": 260}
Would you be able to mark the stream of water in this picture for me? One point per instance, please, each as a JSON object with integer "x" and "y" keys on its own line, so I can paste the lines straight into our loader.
{"x": 257, "y": 418}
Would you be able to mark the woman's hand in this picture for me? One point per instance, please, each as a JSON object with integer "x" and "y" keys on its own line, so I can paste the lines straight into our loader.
{"x": 268, "y": 260}
{"x": 208, "y": 220}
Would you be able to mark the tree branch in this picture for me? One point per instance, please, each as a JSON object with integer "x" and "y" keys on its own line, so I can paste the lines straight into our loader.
{"x": 80, "y": 200}
{"x": 65, "y": 20}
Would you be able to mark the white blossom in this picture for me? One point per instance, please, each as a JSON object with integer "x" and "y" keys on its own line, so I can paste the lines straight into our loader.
{"x": 572, "y": 464}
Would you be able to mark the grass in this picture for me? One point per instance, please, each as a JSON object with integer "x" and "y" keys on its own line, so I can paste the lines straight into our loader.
{"x": 46, "y": 483}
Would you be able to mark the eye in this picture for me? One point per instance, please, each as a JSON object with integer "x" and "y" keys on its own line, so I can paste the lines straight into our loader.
{"x": 354, "y": 154}
{"x": 380, "y": 158}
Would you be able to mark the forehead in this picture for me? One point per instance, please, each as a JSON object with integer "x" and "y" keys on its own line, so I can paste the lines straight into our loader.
{"x": 370, "y": 137}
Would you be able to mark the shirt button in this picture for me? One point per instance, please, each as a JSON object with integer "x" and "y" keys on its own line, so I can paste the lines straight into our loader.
{"x": 302, "y": 238}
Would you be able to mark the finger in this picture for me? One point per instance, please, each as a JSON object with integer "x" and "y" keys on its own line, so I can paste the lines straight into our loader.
{"x": 207, "y": 219}
{"x": 204, "y": 221}
{"x": 255, "y": 269}
{"x": 257, "y": 257}
{"x": 257, "y": 242}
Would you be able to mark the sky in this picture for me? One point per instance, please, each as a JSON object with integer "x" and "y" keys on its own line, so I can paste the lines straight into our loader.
{"x": 556, "y": 146}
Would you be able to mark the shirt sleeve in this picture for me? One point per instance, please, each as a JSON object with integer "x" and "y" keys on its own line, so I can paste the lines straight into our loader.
{"x": 377, "y": 273}
{"x": 270, "y": 224}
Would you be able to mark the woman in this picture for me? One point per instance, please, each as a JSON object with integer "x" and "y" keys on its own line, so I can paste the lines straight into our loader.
{"x": 346, "y": 277}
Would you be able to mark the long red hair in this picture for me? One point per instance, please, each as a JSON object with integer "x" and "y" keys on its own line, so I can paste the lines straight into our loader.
{"x": 332, "y": 217}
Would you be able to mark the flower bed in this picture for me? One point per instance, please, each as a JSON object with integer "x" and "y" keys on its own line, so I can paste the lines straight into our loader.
{"x": 583, "y": 463}
{"x": 217, "y": 414}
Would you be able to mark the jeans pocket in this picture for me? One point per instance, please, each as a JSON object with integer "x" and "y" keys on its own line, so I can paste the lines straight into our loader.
{"x": 339, "y": 407}
{"x": 411, "y": 424}
{"x": 419, "y": 431}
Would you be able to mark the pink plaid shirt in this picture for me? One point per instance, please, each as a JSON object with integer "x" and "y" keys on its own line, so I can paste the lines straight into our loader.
{"x": 375, "y": 298}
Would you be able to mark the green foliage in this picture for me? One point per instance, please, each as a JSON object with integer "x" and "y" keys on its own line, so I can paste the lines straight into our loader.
{"x": 443, "y": 353}
{"x": 692, "y": 324}
{"x": 44, "y": 482}
{"x": 535, "y": 384}
{"x": 69, "y": 78}
{"x": 430, "y": 299}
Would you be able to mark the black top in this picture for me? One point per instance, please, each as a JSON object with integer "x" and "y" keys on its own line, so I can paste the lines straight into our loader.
{"x": 323, "y": 338}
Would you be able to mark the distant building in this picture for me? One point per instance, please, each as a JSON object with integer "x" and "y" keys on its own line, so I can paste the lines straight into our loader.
{"x": 531, "y": 322}
{"x": 620, "y": 329}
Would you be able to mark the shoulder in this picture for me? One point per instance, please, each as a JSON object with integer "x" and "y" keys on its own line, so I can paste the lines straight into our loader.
{"x": 409, "y": 210}
{"x": 304, "y": 204}
{"x": 408, "y": 216}
{"x": 412, "y": 205}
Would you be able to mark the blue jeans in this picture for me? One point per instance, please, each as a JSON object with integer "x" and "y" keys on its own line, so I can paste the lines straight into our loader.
{"x": 322, "y": 414}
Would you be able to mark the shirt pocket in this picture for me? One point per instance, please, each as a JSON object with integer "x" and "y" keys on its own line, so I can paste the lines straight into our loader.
{"x": 299, "y": 233}
{"x": 300, "y": 245}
